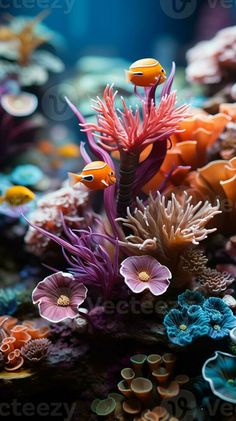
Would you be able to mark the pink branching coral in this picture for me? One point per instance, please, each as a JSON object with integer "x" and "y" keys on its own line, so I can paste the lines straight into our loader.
{"x": 132, "y": 131}
{"x": 72, "y": 203}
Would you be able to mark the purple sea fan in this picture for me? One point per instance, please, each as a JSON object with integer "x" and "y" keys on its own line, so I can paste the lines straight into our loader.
{"x": 36, "y": 350}
{"x": 89, "y": 260}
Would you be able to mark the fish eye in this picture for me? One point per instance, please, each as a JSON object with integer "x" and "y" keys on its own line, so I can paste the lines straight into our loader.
{"x": 162, "y": 70}
{"x": 111, "y": 173}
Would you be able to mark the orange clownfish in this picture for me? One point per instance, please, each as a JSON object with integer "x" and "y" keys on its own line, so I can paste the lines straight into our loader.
{"x": 146, "y": 72}
{"x": 96, "y": 175}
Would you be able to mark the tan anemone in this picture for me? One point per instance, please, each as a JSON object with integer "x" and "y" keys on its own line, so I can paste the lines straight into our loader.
{"x": 165, "y": 228}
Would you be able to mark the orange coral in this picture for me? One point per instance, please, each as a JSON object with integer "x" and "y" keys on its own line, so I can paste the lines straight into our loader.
{"x": 190, "y": 146}
{"x": 14, "y": 360}
{"x": 15, "y": 336}
{"x": 36, "y": 333}
{"x": 19, "y": 332}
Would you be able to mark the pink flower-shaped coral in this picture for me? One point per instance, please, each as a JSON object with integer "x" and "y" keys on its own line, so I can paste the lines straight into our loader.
{"x": 145, "y": 272}
{"x": 59, "y": 296}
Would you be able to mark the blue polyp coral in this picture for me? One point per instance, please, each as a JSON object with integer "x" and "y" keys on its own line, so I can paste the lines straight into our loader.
{"x": 185, "y": 325}
{"x": 9, "y": 300}
{"x": 220, "y": 372}
{"x": 221, "y": 317}
{"x": 189, "y": 298}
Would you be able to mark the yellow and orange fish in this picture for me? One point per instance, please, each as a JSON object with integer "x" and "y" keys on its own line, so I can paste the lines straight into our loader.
{"x": 146, "y": 72}
{"x": 17, "y": 196}
{"x": 96, "y": 175}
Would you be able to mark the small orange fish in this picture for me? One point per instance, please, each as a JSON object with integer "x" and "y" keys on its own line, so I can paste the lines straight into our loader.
{"x": 69, "y": 151}
{"x": 96, "y": 175}
{"x": 146, "y": 72}
{"x": 17, "y": 196}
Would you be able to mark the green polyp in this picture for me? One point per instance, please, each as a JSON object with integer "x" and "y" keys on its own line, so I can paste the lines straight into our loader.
{"x": 183, "y": 327}
{"x": 127, "y": 374}
{"x": 231, "y": 382}
{"x": 216, "y": 327}
{"x": 94, "y": 405}
{"x": 138, "y": 359}
{"x": 116, "y": 396}
{"x": 105, "y": 407}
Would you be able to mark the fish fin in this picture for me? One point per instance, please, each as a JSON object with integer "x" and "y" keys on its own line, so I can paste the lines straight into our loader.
{"x": 74, "y": 178}
{"x": 2, "y": 198}
{"x": 105, "y": 183}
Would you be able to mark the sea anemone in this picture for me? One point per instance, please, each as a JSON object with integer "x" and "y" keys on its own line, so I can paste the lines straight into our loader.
{"x": 185, "y": 325}
{"x": 221, "y": 317}
{"x": 130, "y": 132}
{"x": 35, "y": 350}
{"x": 220, "y": 372}
{"x": 189, "y": 298}
{"x": 164, "y": 228}
{"x": 145, "y": 272}
{"x": 89, "y": 260}
{"x": 58, "y": 297}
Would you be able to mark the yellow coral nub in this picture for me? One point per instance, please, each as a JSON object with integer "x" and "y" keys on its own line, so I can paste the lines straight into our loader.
{"x": 63, "y": 301}
{"x": 183, "y": 327}
{"x": 144, "y": 276}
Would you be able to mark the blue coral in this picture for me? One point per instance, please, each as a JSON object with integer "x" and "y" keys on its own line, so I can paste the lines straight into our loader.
{"x": 221, "y": 317}
{"x": 8, "y": 301}
{"x": 26, "y": 175}
{"x": 220, "y": 372}
{"x": 185, "y": 325}
{"x": 189, "y": 298}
